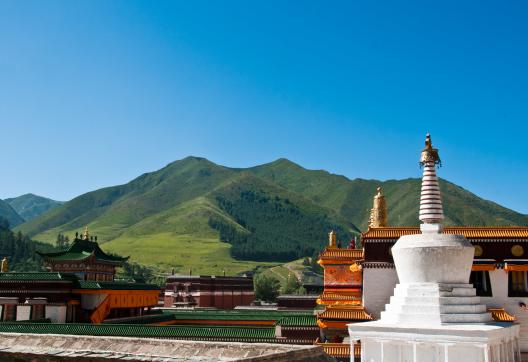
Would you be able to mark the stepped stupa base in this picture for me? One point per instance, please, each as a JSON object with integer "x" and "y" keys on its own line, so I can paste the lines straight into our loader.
{"x": 432, "y": 304}
{"x": 383, "y": 342}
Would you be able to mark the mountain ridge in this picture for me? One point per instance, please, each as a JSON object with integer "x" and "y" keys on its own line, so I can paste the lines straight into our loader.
{"x": 29, "y": 205}
{"x": 195, "y": 213}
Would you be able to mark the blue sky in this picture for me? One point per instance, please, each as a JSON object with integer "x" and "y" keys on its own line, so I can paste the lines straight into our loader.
{"x": 94, "y": 93}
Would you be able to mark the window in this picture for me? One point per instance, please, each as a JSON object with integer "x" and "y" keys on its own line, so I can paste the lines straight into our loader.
{"x": 481, "y": 281}
{"x": 517, "y": 284}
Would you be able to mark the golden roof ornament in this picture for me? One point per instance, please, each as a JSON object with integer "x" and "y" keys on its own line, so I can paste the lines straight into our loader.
{"x": 378, "y": 213}
{"x": 332, "y": 239}
{"x": 5, "y": 265}
{"x": 429, "y": 154}
{"x": 86, "y": 234}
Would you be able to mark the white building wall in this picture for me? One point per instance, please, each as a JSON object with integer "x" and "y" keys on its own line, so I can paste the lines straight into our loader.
{"x": 56, "y": 313}
{"x": 379, "y": 283}
{"x": 23, "y": 312}
{"x": 500, "y": 299}
{"x": 378, "y": 287}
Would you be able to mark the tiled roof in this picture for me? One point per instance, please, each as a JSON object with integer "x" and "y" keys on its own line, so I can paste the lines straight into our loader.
{"x": 114, "y": 285}
{"x": 329, "y": 296}
{"x": 298, "y": 321}
{"x": 500, "y": 315}
{"x": 146, "y": 319}
{"x": 28, "y": 276}
{"x": 135, "y": 330}
{"x": 349, "y": 314}
{"x": 83, "y": 249}
{"x": 340, "y": 350}
{"x": 338, "y": 253}
{"x": 235, "y": 314}
{"x": 468, "y": 231}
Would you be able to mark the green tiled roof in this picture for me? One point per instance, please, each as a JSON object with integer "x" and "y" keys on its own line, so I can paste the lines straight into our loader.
{"x": 81, "y": 284}
{"x": 146, "y": 319}
{"x": 82, "y": 249}
{"x": 235, "y": 314}
{"x": 260, "y": 334}
{"x": 29, "y": 276}
{"x": 298, "y": 321}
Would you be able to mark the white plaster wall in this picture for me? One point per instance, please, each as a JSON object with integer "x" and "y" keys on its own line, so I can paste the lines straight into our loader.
{"x": 23, "y": 312}
{"x": 378, "y": 287}
{"x": 378, "y": 350}
{"x": 56, "y": 313}
{"x": 500, "y": 299}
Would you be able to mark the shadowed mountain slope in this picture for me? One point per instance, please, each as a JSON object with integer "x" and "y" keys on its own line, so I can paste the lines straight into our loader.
{"x": 29, "y": 206}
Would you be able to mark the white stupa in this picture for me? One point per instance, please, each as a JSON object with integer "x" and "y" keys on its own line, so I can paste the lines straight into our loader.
{"x": 434, "y": 314}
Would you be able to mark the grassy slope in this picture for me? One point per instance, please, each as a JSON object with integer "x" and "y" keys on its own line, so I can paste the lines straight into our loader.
{"x": 296, "y": 268}
{"x": 353, "y": 198}
{"x": 161, "y": 218}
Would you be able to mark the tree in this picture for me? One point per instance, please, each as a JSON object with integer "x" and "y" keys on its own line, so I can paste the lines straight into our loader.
{"x": 266, "y": 288}
{"x": 292, "y": 286}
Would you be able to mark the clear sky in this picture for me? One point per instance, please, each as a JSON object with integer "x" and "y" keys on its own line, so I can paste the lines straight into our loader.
{"x": 94, "y": 93}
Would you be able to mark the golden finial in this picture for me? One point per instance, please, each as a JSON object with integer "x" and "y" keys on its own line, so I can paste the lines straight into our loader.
{"x": 86, "y": 234}
{"x": 429, "y": 154}
{"x": 378, "y": 213}
{"x": 5, "y": 265}
{"x": 332, "y": 239}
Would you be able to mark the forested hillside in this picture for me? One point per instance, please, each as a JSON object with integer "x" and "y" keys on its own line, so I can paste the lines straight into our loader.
{"x": 194, "y": 214}
{"x": 9, "y": 214}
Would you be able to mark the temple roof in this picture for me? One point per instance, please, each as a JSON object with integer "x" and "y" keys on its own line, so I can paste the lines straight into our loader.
{"x": 226, "y": 333}
{"x": 346, "y": 313}
{"x": 81, "y": 250}
{"x": 32, "y": 276}
{"x": 86, "y": 284}
{"x": 500, "y": 315}
{"x": 342, "y": 254}
{"x": 339, "y": 298}
{"x": 470, "y": 232}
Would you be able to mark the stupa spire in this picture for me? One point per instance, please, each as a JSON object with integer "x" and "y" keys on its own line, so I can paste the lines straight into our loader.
{"x": 431, "y": 210}
{"x": 378, "y": 213}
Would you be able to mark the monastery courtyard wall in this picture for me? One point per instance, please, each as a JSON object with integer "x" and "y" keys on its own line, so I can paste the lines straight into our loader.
{"x": 68, "y": 348}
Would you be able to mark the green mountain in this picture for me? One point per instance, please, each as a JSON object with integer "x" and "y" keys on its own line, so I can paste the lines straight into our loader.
{"x": 29, "y": 206}
{"x": 196, "y": 214}
{"x": 9, "y": 214}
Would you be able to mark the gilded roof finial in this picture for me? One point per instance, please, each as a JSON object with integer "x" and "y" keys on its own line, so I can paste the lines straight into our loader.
{"x": 378, "y": 213}
{"x": 5, "y": 265}
{"x": 332, "y": 239}
{"x": 86, "y": 234}
{"x": 429, "y": 154}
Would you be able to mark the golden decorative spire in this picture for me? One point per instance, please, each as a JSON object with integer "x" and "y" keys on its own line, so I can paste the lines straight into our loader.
{"x": 378, "y": 213}
{"x": 86, "y": 234}
{"x": 429, "y": 154}
{"x": 5, "y": 265}
{"x": 332, "y": 239}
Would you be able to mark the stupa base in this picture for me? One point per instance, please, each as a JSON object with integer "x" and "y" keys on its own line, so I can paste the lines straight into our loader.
{"x": 490, "y": 342}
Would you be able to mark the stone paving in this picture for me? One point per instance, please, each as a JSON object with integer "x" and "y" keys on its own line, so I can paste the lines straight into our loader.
{"x": 58, "y": 348}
